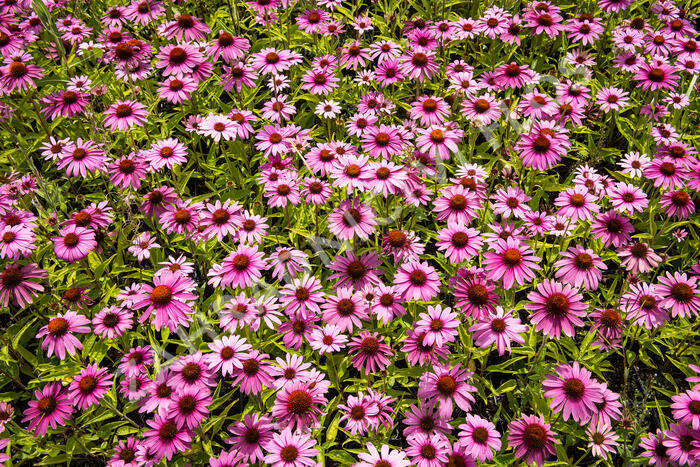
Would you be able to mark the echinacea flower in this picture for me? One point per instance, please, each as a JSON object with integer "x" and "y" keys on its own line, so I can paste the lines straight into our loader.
{"x": 90, "y": 386}
{"x": 686, "y": 408}
{"x": 479, "y": 437}
{"x": 681, "y": 444}
{"x": 125, "y": 114}
{"x": 165, "y": 438}
{"x": 253, "y": 372}
{"x": 532, "y": 438}
{"x": 192, "y": 372}
{"x": 556, "y": 308}
{"x": 345, "y": 309}
{"x": 680, "y": 295}
{"x": 188, "y": 407}
{"x": 439, "y": 325}
{"x": 499, "y": 327}
{"x": 512, "y": 262}
{"x": 298, "y": 405}
{"x": 141, "y": 246}
{"x": 58, "y": 334}
{"x": 352, "y": 218}
{"x": 446, "y": 384}
{"x": 250, "y": 435}
{"x": 288, "y": 449}
{"x": 417, "y": 281}
{"x": 574, "y": 392}
{"x": 602, "y": 439}
{"x": 51, "y": 407}
{"x": 385, "y": 457}
{"x": 370, "y": 353}
{"x": 580, "y": 266}
{"x": 169, "y": 299}
{"x": 428, "y": 451}
{"x": 638, "y": 258}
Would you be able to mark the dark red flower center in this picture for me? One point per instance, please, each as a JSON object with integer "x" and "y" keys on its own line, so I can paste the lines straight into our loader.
{"x": 167, "y": 431}
{"x": 185, "y": 22}
{"x": 656, "y": 75}
{"x": 446, "y": 385}
{"x": 498, "y": 325}
{"x": 225, "y": 39}
{"x": 420, "y": 60}
{"x": 46, "y": 405}
{"x": 241, "y": 262}
{"x": 161, "y": 295}
{"x": 480, "y": 435}
{"x": 478, "y": 295}
{"x": 369, "y": 345}
{"x": 299, "y": 402}
{"x": 512, "y": 257}
{"x": 191, "y": 372}
{"x": 289, "y": 453}
{"x": 682, "y": 293}
{"x": 251, "y": 367}
{"x": 583, "y": 261}
{"x": 123, "y": 111}
{"x": 557, "y": 305}
{"x": 577, "y": 200}
{"x": 574, "y": 388}
{"x": 87, "y": 384}
{"x": 178, "y": 55}
{"x": 610, "y": 318}
{"x": 535, "y": 436}
{"x": 17, "y": 70}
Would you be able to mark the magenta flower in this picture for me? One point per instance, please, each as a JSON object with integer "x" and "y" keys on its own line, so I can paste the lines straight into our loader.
{"x": 242, "y": 268}
{"x": 351, "y": 219}
{"x": 290, "y": 449}
{"x": 298, "y": 405}
{"x": 686, "y": 408}
{"x": 125, "y": 114}
{"x": 479, "y": 437}
{"x": 602, "y": 439}
{"x": 90, "y": 386}
{"x": 556, "y": 308}
{"x": 580, "y": 266}
{"x": 51, "y": 407}
{"x": 164, "y": 438}
{"x": 169, "y": 299}
{"x": 532, "y": 438}
{"x": 345, "y": 309}
{"x": 446, "y": 384}
{"x": 253, "y": 372}
{"x": 499, "y": 327}
{"x": 456, "y": 204}
{"x": 512, "y": 262}
{"x": 680, "y": 294}
{"x": 370, "y": 354}
{"x": 16, "y": 286}
{"x": 58, "y": 334}
{"x": 417, "y": 281}
{"x": 574, "y": 391}
{"x": 250, "y": 435}
{"x": 188, "y": 407}
{"x": 439, "y": 325}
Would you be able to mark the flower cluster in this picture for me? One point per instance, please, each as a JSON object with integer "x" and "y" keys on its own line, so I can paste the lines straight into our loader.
{"x": 293, "y": 233}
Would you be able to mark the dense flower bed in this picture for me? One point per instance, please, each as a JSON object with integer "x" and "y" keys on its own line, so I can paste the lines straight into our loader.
{"x": 381, "y": 233}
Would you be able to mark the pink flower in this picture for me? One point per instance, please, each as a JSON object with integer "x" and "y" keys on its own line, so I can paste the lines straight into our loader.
{"x": 556, "y": 308}
{"x": 58, "y": 334}
{"x": 499, "y": 327}
{"x": 446, "y": 384}
{"x": 512, "y": 262}
{"x": 574, "y": 391}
